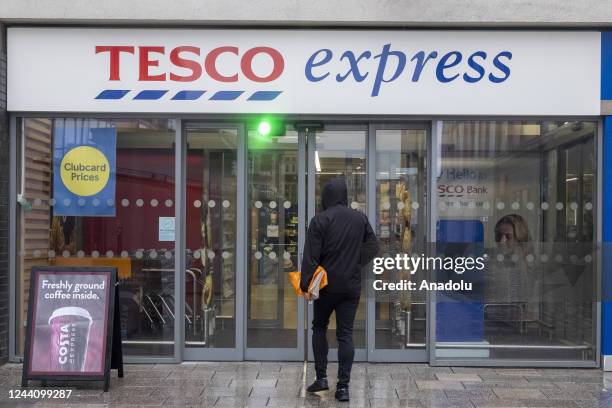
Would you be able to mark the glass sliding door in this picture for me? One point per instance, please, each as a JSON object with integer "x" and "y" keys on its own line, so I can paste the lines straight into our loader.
{"x": 212, "y": 280}
{"x": 340, "y": 152}
{"x": 275, "y": 198}
{"x": 399, "y": 318}
{"x": 390, "y": 188}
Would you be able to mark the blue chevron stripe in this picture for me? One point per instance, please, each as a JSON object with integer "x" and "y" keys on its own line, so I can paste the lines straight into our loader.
{"x": 187, "y": 95}
{"x": 226, "y": 95}
{"x": 264, "y": 95}
{"x": 112, "y": 94}
{"x": 150, "y": 95}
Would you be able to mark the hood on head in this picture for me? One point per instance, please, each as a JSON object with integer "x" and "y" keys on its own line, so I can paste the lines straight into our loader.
{"x": 334, "y": 193}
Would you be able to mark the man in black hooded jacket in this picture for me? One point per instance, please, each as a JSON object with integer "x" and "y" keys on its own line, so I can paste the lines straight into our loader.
{"x": 341, "y": 240}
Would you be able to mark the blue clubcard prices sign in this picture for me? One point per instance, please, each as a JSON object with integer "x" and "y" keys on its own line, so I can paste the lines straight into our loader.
{"x": 84, "y": 172}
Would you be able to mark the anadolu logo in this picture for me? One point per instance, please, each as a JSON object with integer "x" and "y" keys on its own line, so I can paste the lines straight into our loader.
{"x": 85, "y": 171}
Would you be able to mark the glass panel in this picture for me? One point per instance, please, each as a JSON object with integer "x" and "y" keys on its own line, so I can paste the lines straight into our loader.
{"x": 341, "y": 153}
{"x": 520, "y": 193}
{"x": 273, "y": 240}
{"x": 210, "y": 276}
{"x": 587, "y": 196}
{"x": 573, "y": 185}
{"x": 129, "y": 240}
{"x": 401, "y": 177}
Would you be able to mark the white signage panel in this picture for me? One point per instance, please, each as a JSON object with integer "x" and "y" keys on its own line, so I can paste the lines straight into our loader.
{"x": 304, "y": 71}
{"x": 167, "y": 230}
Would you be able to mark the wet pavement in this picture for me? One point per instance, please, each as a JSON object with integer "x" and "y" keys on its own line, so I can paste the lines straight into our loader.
{"x": 278, "y": 384}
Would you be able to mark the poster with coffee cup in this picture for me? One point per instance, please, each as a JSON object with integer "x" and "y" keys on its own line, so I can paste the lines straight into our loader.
{"x": 70, "y": 322}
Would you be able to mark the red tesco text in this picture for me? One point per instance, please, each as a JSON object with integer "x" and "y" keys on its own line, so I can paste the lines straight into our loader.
{"x": 193, "y": 63}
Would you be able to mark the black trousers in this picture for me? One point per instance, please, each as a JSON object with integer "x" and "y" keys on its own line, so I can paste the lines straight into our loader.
{"x": 345, "y": 306}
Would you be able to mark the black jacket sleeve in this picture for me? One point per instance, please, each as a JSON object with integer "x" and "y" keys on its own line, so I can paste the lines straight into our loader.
{"x": 369, "y": 248}
{"x": 312, "y": 252}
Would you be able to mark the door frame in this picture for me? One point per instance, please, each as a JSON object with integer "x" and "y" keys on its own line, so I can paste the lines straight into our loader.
{"x": 278, "y": 354}
{"x": 306, "y": 194}
{"x": 204, "y": 353}
{"x": 361, "y": 354}
{"x": 416, "y": 354}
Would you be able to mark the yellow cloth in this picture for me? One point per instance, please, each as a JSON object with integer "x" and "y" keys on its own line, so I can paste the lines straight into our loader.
{"x": 318, "y": 282}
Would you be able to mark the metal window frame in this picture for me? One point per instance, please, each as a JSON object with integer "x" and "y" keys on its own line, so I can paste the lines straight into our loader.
{"x": 180, "y": 195}
{"x": 434, "y": 169}
{"x": 599, "y": 240}
{"x": 12, "y": 233}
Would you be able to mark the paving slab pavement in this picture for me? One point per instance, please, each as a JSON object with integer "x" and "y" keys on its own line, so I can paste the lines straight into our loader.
{"x": 282, "y": 384}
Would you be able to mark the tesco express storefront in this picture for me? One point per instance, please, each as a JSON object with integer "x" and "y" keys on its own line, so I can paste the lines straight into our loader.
{"x": 213, "y": 147}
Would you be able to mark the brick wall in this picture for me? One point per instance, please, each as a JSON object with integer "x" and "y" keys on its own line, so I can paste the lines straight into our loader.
{"x": 4, "y": 204}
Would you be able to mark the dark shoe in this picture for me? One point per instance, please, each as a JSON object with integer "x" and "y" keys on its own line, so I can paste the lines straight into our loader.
{"x": 318, "y": 385}
{"x": 342, "y": 394}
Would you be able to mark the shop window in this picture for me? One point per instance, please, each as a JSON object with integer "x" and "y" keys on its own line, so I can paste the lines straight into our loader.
{"x": 130, "y": 229}
{"x": 522, "y": 195}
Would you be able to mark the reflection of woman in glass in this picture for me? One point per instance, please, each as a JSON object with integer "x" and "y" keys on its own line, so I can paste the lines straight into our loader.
{"x": 511, "y": 231}
{"x": 509, "y": 280}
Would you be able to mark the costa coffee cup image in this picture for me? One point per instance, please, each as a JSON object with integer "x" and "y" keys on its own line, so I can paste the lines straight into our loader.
{"x": 69, "y": 328}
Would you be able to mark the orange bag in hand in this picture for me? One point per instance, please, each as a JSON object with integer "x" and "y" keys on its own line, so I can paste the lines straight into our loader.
{"x": 318, "y": 282}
